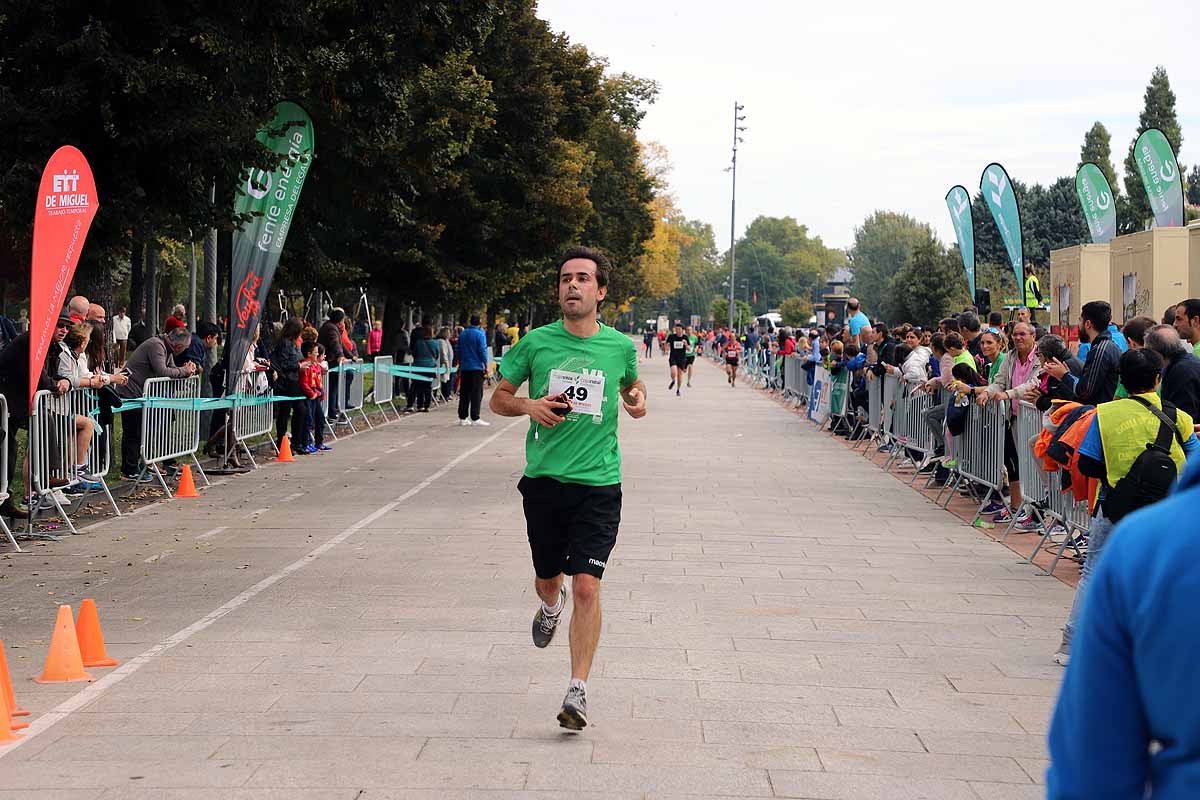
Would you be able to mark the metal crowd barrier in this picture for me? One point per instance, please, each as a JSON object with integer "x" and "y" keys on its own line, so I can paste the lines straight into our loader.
{"x": 54, "y": 454}
{"x": 4, "y": 445}
{"x": 381, "y": 391}
{"x": 910, "y": 434}
{"x": 355, "y": 401}
{"x": 979, "y": 453}
{"x": 170, "y": 424}
{"x": 819, "y": 396}
{"x": 253, "y": 411}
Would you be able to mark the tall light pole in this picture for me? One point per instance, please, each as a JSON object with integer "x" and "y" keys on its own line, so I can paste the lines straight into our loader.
{"x": 738, "y": 117}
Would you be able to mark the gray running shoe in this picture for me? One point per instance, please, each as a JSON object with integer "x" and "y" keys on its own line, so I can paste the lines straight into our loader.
{"x": 544, "y": 625}
{"x": 573, "y": 716}
{"x": 1063, "y": 656}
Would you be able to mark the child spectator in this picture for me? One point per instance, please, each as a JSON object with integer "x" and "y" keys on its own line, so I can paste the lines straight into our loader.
{"x": 312, "y": 383}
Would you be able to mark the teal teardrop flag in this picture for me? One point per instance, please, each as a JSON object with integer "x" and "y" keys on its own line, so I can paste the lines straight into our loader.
{"x": 958, "y": 200}
{"x": 1096, "y": 198}
{"x": 1001, "y": 200}
{"x": 1160, "y": 175}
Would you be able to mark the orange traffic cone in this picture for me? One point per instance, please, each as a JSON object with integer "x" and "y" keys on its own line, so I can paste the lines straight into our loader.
{"x": 6, "y": 693}
{"x": 91, "y": 640}
{"x": 64, "y": 663}
{"x": 6, "y": 730}
{"x": 285, "y": 450}
{"x": 187, "y": 488}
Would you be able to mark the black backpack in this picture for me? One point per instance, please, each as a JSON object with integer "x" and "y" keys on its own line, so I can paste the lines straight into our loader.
{"x": 1153, "y": 472}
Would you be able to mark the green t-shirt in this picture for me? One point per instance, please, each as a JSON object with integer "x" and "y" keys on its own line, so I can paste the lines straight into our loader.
{"x": 995, "y": 368}
{"x": 583, "y": 448}
{"x": 691, "y": 345}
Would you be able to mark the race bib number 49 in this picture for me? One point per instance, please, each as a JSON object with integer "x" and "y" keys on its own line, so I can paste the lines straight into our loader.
{"x": 585, "y": 392}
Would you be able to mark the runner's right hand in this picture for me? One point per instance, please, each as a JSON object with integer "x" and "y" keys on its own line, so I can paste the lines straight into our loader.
{"x": 541, "y": 411}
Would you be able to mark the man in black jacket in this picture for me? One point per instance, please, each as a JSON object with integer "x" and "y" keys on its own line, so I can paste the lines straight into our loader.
{"x": 1098, "y": 383}
{"x": 330, "y": 337}
{"x": 154, "y": 358}
{"x": 1181, "y": 377}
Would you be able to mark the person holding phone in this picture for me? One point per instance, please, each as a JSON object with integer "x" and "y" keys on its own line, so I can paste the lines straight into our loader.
{"x": 578, "y": 369}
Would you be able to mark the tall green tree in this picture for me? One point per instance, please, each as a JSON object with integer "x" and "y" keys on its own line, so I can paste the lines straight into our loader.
{"x": 1158, "y": 111}
{"x": 930, "y": 285}
{"x": 1097, "y": 148}
{"x": 777, "y": 259}
{"x": 882, "y": 246}
{"x": 700, "y": 272}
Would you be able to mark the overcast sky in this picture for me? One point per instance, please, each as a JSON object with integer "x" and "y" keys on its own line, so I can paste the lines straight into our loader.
{"x": 884, "y": 105}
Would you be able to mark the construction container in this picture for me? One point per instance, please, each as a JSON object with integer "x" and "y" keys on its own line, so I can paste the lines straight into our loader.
{"x": 1077, "y": 275}
{"x": 1150, "y": 271}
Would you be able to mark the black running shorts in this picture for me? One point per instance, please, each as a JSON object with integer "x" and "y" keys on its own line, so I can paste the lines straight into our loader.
{"x": 732, "y": 362}
{"x": 678, "y": 361}
{"x": 691, "y": 360}
{"x": 572, "y": 527}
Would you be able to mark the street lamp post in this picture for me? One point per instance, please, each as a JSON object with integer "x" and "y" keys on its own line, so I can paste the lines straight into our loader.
{"x": 737, "y": 128}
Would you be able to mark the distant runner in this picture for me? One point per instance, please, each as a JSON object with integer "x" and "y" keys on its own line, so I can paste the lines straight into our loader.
{"x": 732, "y": 350}
{"x": 677, "y": 344}
{"x": 693, "y": 347}
{"x": 576, "y": 369}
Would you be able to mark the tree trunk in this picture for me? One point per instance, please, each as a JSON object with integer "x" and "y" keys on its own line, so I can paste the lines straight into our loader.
{"x": 393, "y": 321}
{"x": 137, "y": 256}
{"x": 151, "y": 290}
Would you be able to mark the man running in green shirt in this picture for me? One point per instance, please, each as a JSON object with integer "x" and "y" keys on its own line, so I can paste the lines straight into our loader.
{"x": 692, "y": 348}
{"x": 576, "y": 369}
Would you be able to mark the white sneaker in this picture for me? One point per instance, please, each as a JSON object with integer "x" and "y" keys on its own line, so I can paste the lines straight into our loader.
{"x": 482, "y": 422}
{"x": 462, "y": 423}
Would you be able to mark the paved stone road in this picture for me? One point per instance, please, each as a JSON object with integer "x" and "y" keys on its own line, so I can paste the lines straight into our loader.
{"x": 781, "y": 618}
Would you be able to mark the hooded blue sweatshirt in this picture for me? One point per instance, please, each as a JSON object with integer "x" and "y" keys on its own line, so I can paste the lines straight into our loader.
{"x": 1134, "y": 676}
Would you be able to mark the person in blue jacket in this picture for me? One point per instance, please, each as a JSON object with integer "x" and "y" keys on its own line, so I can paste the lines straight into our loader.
{"x": 1127, "y": 723}
{"x": 472, "y": 363}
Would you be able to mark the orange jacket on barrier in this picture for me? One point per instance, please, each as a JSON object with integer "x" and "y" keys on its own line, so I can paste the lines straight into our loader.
{"x": 1082, "y": 487}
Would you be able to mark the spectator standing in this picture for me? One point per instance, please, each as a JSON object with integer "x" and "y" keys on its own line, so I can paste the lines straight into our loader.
{"x": 1017, "y": 376}
{"x": 500, "y": 339}
{"x": 970, "y": 329}
{"x": 330, "y": 337}
{"x": 445, "y": 362}
{"x": 1181, "y": 376}
{"x": 857, "y": 319}
{"x": 121, "y": 326}
{"x": 350, "y": 350}
{"x": 1187, "y": 323}
{"x": 178, "y": 318}
{"x": 1119, "y": 432}
{"x": 154, "y": 358}
{"x": 1098, "y": 383}
{"x": 375, "y": 339}
{"x": 139, "y": 332}
{"x": 285, "y": 361}
{"x": 472, "y": 363}
{"x": 312, "y": 373}
{"x": 23, "y": 321}
{"x": 425, "y": 355}
{"x": 77, "y": 308}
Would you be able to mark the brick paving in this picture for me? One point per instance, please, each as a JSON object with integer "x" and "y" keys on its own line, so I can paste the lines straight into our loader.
{"x": 781, "y": 619}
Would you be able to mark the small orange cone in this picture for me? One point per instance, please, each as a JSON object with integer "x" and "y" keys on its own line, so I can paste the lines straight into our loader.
{"x": 64, "y": 663}
{"x": 187, "y": 488}
{"x": 7, "y": 688}
{"x": 6, "y": 730}
{"x": 285, "y": 450}
{"x": 91, "y": 640}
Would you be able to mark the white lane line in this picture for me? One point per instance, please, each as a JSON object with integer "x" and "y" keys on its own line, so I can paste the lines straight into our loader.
{"x": 95, "y": 690}
{"x": 158, "y": 557}
{"x": 371, "y": 460}
{"x": 213, "y": 532}
{"x": 258, "y": 511}
{"x": 390, "y": 450}
{"x": 406, "y": 444}
{"x": 293, "y": 496}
